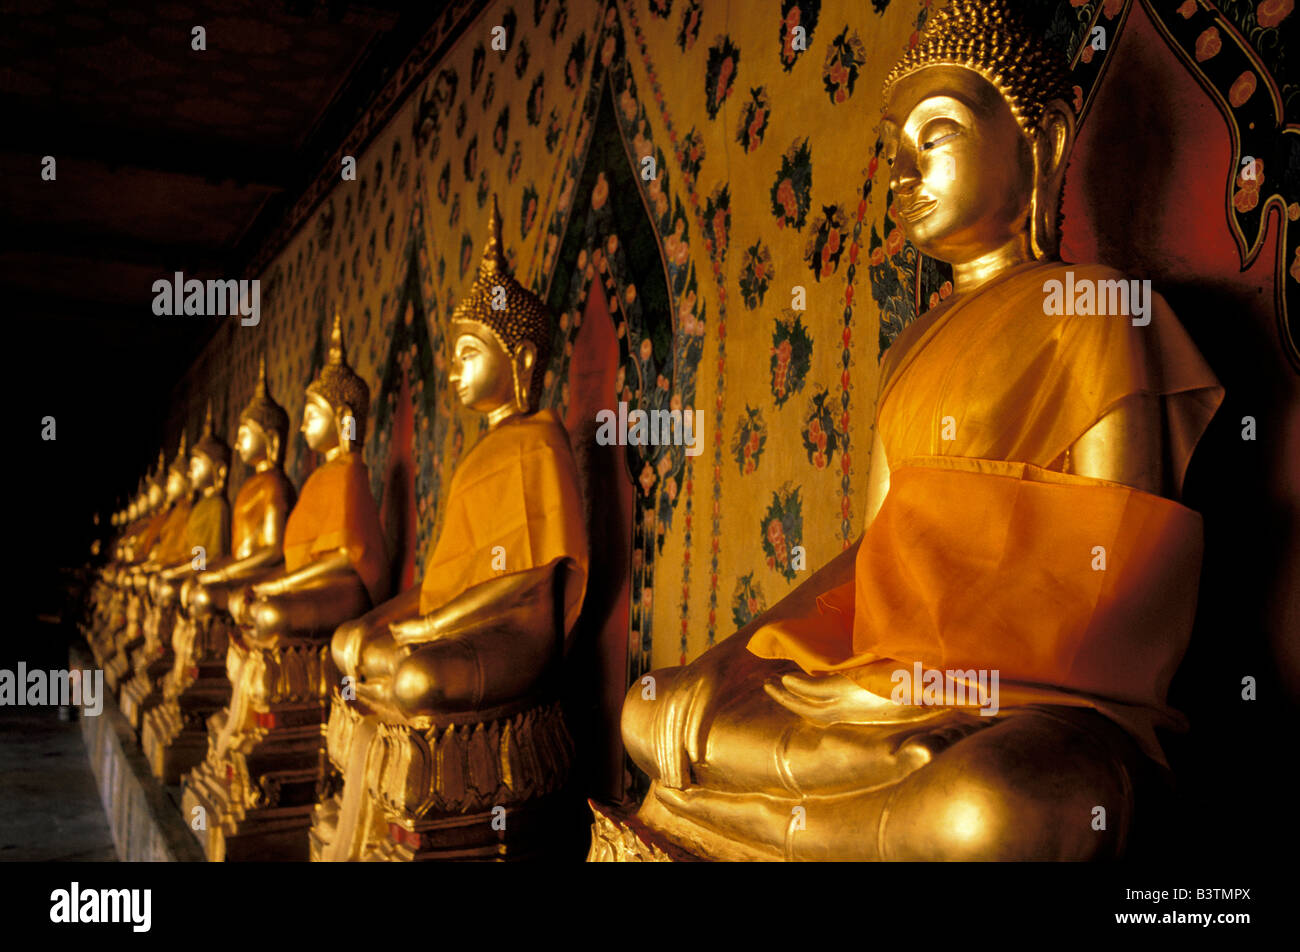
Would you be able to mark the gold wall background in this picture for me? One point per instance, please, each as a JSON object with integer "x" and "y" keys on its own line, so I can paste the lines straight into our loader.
{"x": 767, "y": 179}
{"x": 709, "y": 78}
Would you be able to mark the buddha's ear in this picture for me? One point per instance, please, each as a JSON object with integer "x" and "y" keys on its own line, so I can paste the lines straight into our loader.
{"x": 1052, "y": 142}
{"x": 525, "y": 357}
{"x": 222, "y": 470}
{"x": 343, "y": 414}
{"x": 273, "y": 446}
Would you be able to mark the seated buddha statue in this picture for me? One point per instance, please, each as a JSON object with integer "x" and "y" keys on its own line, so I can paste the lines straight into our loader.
{"x": 1023, "y": 523}
{"x": 143, "y": 519}
{"x": 159, "y": 544}
{"x": 471, "y": 655}
{"x": 204, "y": 535}
{"x": 175, "y": 734}
{"x": 265, "y": 758}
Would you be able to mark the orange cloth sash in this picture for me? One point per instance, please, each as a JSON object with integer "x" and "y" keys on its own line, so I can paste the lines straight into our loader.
{"x": 1076, "y": 591}
{"x": 171, "y": 540}
{"x": 980, "y": 556}
{"x": 336, "y": 510}
{"x": 145, "y": 535}
{"x": 208, "y": 526}
{"x": 270, "y": 489}
{"x": 517, "y": 489}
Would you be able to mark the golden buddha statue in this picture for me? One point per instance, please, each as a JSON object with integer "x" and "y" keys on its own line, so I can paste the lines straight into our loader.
{"x": 205, "y": 535}
{"x": 265, "y": 762}
{"x": 159, "y": 541}
{"x": 110, "y": 599}
{"x": 175, "y": 733}
{"x": 449, "y": 718}
{"x": 1022, "y": 524}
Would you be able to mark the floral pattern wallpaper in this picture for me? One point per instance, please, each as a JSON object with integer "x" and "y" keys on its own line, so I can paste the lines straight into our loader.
{"x": 722, "y": 178}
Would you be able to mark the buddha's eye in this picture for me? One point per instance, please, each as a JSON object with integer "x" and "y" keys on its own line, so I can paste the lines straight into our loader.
{"x": 937, "y": 141}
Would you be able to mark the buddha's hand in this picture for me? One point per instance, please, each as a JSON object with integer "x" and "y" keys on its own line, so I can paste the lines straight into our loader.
{"x": 412, "y": 631}
{"x": 827, "y": 699}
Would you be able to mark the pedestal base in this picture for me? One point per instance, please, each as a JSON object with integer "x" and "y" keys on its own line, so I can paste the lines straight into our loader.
{"x": 175, "y": 733}
{"x": 617, "y": 836}
{"x": 492, "y": 785}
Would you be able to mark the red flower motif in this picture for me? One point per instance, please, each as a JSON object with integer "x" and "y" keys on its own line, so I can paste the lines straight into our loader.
{"x": 1242, "y": 89}
{"x": 724, "y": 77}
{"x": 1272, "y": 12}
{"x": 1188, "y": 9}
{"x": 894, "y": 243}
{"x": 877, "y": 256}
{"x": 1208, "y": 44}
{"x": 785, "y": 195}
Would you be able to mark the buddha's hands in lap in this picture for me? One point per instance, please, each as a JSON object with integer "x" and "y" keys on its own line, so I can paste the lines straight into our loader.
{"x": 834, "y": 699}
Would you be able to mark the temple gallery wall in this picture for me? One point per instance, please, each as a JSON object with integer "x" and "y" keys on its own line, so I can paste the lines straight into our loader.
{"x": 703, "y": 203}
{"x": 755, "y": 275}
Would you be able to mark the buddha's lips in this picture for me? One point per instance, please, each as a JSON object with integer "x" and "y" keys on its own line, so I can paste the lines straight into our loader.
{"x": 918, "y": 210}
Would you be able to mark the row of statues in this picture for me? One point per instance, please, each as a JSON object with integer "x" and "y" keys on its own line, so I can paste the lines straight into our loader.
{"x": 309, "y": 711}
{"x": 270, "y": 669}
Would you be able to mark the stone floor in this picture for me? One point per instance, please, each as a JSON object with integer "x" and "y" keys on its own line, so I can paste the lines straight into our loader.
{"x": 49, "y": 808}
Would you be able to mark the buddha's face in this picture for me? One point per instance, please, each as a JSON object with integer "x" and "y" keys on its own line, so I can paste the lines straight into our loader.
{"x": 961, "y": 168}
{"x": 201, "y": 470}
{"x": 250, "y": 442}
{"x": 133, "y": 511}
{"x": 177, "y": 482}
{"x": 319, "y": 427}
{"x": 155, "y": 496}
{"x": 481, "y": 373}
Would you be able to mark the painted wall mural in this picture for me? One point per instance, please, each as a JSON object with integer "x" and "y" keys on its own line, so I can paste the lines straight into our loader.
{"x": 719, "y": 182}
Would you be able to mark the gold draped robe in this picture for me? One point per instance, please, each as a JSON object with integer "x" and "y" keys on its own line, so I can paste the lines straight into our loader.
{"x": 208, "y": 525}
{"x": 144, "y": 535}
{"x": 517, "y": 489}
{"x": 262, "y": 492}
{"x": 984, "y": 553}
{"x": 171, "y": 538}
{"x": 336, "y": 510}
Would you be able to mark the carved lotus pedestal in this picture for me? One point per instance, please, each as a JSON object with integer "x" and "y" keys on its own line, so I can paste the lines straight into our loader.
{"x": 488, "y": 785}
{"x": 175, "y": 735}
{"x": 151, "y": 664}
{"x": 126, "y": 642}
{"x": 266, "y": 764}
{"x": 618, "y": 836}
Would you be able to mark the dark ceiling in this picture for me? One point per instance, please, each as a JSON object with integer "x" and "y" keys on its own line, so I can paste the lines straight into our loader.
{"x": 168, "y": 159}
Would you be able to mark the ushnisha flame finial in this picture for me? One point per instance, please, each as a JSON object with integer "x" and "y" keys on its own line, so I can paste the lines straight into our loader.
{"x": 181, "y": 464}
{"x": 340, "y": 386}
{"x": 208, "y": 444}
